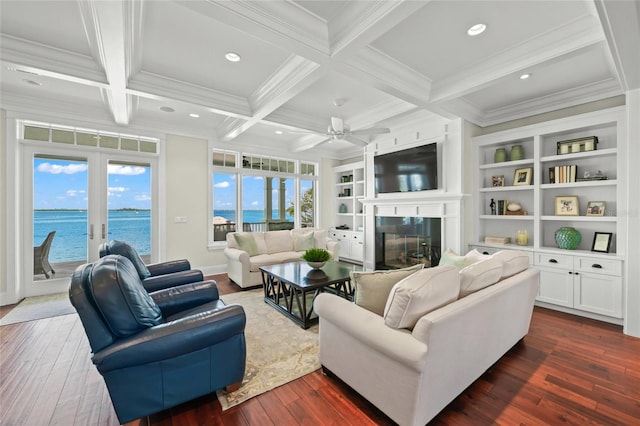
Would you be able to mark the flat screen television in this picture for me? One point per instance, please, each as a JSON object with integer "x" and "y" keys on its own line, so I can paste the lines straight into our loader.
{"x": 413, "y": 169}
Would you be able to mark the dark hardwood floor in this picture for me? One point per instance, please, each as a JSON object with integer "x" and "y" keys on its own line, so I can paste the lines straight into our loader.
{"x": 567, "y": 371}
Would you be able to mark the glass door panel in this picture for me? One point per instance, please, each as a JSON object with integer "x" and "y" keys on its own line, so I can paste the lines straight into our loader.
{"x": 60, "y": 209}
{"x": 129, "y": 205}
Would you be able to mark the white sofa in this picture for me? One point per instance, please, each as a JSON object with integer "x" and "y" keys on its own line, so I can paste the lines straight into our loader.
{"x": 270, "y": 248}
{"x": 412, "y": 373}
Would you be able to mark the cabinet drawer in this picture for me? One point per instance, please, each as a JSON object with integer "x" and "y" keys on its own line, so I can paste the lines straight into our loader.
{"x": 333, "y": 235}
{"x": 357, "y": 236}
{"x": 553, "y": 260}
{"x": 599, "y": 266}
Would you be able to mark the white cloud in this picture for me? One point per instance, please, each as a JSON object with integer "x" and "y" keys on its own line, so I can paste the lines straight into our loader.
{"x": 119, "y": 169}
{"x": 255, "y": 203}
{"x": 142, "y": 197}
{"x": 116, "y": 191}
{"x": 56, "y": 169}
{"x": 224, "y": 184}
{"x": 74, "y": 192}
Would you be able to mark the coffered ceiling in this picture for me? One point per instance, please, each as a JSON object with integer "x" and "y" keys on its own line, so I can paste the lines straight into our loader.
{"x": 123, "y": 63}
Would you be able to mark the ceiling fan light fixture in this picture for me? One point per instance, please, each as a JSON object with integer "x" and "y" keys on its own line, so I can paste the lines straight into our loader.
{"x": 476, "y": 29}
{"x": 232, "y": 57}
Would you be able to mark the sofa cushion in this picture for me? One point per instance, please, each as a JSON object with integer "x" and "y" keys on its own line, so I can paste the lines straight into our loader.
{"x": 246, "y": 242}
{"x": 372, "y": 288}
{"x": 303, "y": 242}
{"x": 480, "y": 275}
{"x": 278, "y": 241}
{"x": 320, "y": 236}
{"x": 120, "y": 297}
{"x": 513, "y": 261}
{"x": 418, "y": 294}
{"x": 452, "y": 258}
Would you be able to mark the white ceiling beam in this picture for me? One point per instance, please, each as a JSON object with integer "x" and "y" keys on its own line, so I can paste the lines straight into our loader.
{"x": 580, "y": 34}
{"x": 620, "y": 21}
{"x": 295, "y": 75}
{"x": 110, "y": 43}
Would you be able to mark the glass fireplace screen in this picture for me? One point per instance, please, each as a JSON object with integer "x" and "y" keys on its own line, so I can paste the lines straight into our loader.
{"x": 407, "y": 241}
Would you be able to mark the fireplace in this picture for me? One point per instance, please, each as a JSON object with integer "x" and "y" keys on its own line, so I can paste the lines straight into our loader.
{"x": 406, "y": 241}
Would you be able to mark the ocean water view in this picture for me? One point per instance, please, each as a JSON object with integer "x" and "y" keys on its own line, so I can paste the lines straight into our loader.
{"x": 70, "y": 241}
{"x": 133, "y": 226}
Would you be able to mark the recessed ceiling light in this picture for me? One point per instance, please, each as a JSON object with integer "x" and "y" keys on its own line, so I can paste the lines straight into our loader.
{"x": 194, "y": 115}
{"x": 32, "y": 82}
{"x": 279, "y": 132}
{"x": 167, "y": 109}
{"x": 476, "y": 29}
{"x": 525, "y": 76}
{"x": 232, "y": 57}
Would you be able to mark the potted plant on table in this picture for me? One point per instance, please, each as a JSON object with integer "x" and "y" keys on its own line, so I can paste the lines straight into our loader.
{"x": 316, "y": 257}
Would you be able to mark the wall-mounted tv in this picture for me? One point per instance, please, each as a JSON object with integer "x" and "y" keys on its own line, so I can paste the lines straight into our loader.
{"x": 413, "y": 169}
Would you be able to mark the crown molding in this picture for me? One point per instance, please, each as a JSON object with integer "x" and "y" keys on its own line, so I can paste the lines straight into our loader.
{"x": 51, "y": 62}
{"x": 568, "y": 98}
{"x": 581, "y": 33}
{"x": 154, "y": 86}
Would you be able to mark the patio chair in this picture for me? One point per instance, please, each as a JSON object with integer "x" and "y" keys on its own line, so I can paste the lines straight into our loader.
{"x": 41, "y": 263}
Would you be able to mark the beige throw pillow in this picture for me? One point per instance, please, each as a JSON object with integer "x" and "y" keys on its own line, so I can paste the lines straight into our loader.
{"x": 480, "y": 275}
{"x": 514, "y": 261}
{"x": 419, "y": 294}
{"x": 303, "y": 242}
{"x": 372, "y": 288}
{"x": 452, "y": 258}
{"x": 247, "y": 243}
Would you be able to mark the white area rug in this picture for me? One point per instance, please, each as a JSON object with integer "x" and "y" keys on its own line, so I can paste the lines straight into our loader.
{"x": 39, "y": 307}
{"x": 278, "y": 351}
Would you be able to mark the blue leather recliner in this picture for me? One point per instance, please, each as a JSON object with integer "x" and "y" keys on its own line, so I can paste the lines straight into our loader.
{"x": 155, "y": 276}
{"x": 160, "y": 349}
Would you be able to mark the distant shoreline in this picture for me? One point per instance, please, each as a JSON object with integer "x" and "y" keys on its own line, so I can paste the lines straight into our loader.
{"x": 126, "y": 209}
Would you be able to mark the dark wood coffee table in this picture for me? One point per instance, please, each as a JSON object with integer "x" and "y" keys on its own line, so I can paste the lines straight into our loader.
{"x": 292, "y": 287}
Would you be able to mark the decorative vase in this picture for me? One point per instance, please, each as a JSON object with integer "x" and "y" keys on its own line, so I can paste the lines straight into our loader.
{"x": 522, "y": 237}
{"x": 568, "y": 238}
{"x": 343, "y": 208}
{"x": 500, "y": 155}
{"x": 316, "y": 265}
{"x": 516, "y": 153}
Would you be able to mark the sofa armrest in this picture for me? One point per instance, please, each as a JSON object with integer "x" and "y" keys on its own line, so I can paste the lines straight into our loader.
{"x": 371, "y": 330}
{"x": 333, "y": 247}
{"x": 172, "y": 339}
{"x": 181, "y": 298}
{"x": 169, "y": 267}
{"x": 160, "y": 282}
{"x": 237, "y": 255}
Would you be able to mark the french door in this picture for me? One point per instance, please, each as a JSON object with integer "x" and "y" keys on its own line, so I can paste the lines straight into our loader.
{"x": 74, "y": 201}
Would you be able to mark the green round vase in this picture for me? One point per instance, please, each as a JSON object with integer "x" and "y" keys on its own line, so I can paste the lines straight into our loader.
{"x": 500, "y": 155}
{"x": 568, "y": 238}
{"x": 516, "y": 153}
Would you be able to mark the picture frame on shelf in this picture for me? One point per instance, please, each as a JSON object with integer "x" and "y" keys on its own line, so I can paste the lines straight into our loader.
{"x": 567, "y": 205}
{"x": 595, "y": 208}
{"x": 522, "y": 176}
{"x": 602, "y": 242}
{"x": 497, "y": 180}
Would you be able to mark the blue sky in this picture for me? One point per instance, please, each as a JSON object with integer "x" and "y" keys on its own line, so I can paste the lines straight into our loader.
{"x": 62, "y": 184}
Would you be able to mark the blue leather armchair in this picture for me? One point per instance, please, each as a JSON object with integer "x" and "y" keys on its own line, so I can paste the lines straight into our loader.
{"x": 157, "y": 350}
{"x": 157, "y": 275}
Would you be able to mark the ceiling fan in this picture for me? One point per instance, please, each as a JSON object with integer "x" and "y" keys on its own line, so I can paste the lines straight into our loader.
{"x": 338, "y": 130}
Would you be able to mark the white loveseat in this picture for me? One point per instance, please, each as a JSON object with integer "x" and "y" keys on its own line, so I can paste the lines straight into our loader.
{"x": 246, "y": 252}
{"x": 412, "y": 372}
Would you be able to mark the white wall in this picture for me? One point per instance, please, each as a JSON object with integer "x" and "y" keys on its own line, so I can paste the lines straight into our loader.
{"x": 4, "y": 179}
{"x": 186, "y": 179}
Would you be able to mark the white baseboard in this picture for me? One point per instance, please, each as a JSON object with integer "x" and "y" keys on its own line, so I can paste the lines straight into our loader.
{"x": 213, "y": 270}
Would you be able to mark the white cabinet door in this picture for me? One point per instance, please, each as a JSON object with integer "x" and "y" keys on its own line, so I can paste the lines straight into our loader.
{"x": 556, "y": 286}
{"x": 598, "y": 293}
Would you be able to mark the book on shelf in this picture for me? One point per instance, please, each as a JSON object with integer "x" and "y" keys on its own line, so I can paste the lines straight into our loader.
{"x": 563, "y": 174}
